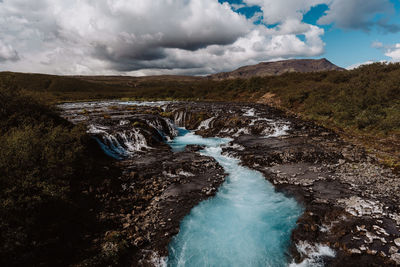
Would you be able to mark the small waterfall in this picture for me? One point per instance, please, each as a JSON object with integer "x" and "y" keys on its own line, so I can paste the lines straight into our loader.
{"x": 258, "y": 120}
{"x": 180, "y": 118}
{"x": 164, "y": 107}
{"x": 125, "y": 140}
{"x": 277, "y": 130}
{"x": 206, "y": 124}
{"x": 97, "y": 129}
{"x": 134, "y": 141}
{"x": 250, "y": 112}
{"x": 112, "y": 146}
{"x": 126, "y": 143}
{"x": 171, "y": 127}
{"x": 165, "y": 127}
{"x": 156, "y": 124}
{"x": 119, "y": 144}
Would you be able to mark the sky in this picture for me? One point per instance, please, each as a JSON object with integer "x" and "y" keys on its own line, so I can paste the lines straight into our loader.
{"x": 191, "y": 37}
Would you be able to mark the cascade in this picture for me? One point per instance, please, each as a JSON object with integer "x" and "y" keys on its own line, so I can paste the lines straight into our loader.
{"x": 206, "y": 124}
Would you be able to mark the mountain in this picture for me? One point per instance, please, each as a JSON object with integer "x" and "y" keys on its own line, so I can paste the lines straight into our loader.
{"x": 277, "y": 68}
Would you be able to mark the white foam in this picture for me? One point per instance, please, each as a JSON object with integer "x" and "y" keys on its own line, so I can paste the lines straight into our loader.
{"x": 234, "y": 146}
{"x": 172, "y": 128}
{"x": 204, "y": 125}
{"x": 124, "y": 143}
{"x": 187, "y": 174}
{"x": 123, "y": 122}
{"x": 169, "y": 174}
{"x": 250, "y": 112}
{"x": 314, "y": 253}
{"x": 97, "y": 129}
{"x": 253, "y": 121}
{"x": 143, "y": 103}
{"x": 278, "y": 130}
{"x": 158, "y": 261}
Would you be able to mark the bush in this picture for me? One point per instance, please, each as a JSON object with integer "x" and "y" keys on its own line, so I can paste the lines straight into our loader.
{"x": 45, "y": 165}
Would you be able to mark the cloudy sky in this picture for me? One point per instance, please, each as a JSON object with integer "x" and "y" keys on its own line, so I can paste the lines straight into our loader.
{"x": 143, "y": 37}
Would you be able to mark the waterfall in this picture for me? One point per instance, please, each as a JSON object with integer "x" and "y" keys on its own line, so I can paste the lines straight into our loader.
{"x": 124, "y": 140}
{"x": 157, "y": 125}
{"x": 171, "y": 127}
{"x": 277, "y": 130}
{"x": 165, "y": 127}
{"x": 180, "y": 118}
{"x": 249, "y": 112}
{"x": 119, "y": 144}
{"x": 204, "y": 125}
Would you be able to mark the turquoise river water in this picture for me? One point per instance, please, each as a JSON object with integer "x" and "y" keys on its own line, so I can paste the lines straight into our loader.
{"x": 247, "y": 223}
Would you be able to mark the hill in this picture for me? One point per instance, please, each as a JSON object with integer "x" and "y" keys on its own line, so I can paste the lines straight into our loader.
{"x": 277, "y": 68}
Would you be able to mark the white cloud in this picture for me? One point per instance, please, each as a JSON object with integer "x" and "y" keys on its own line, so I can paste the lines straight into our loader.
{"x": 369, "y": 62}
{"x": 359, "y": 14}
{"x": 141, "y": 36}
{"x": 7, "y": 52}
{"x": 394, "y": 53}
{"x": 389, "y": 50}
{"x": 250, "y": 49}
{"x": 356, "y": 65}
{"x": 377, "y": 44}
{"x": 282, "y": 10}
{"x": 238, "y": 6}
{"x": 167, "y": 36}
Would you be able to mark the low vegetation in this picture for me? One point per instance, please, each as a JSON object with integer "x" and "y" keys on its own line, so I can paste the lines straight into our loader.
{"x": 47, "y": 169}
{"x": 362, "y": 104}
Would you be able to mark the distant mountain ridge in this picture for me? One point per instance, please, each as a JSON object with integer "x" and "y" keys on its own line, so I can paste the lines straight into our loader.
{"x": 277, "y": 68}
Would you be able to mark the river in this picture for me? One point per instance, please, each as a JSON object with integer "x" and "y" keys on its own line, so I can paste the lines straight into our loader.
{"x": 247, "y": 223}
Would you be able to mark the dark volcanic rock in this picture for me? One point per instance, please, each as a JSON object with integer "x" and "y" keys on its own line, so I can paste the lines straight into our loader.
{"x": 168, "y": 186}
{"x": 351, "y": 203}
{"x": 158, "y": 187}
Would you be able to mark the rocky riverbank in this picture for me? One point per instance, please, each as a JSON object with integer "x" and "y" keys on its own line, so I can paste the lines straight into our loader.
{"x": 351, "y": 203}
{"x": 144, "y": 206}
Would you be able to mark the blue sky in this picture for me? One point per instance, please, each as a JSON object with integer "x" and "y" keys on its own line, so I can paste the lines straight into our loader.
{"x": 191, "y": 37}
{"x": 351, "y": 46}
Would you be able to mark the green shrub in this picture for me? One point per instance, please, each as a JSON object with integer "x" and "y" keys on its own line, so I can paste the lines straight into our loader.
{"x": 45, "y": 165}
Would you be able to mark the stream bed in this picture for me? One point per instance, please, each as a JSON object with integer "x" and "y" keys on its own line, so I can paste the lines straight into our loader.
{"x": 219, "y": 204}
{"x": 247, "y": 223}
